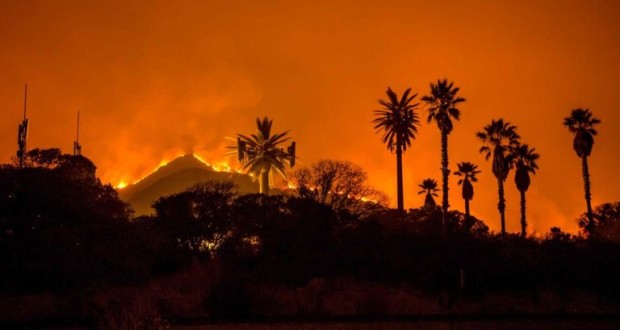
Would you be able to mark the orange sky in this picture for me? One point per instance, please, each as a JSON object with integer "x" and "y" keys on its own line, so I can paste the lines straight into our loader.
{"x": 155, "y": 78}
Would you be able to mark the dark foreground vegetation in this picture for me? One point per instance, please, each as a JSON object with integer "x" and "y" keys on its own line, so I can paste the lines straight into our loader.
{"x": 71, "y": 250}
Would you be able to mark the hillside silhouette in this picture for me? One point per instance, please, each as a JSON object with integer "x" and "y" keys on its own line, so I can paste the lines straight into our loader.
{"x": 176, "y": 176}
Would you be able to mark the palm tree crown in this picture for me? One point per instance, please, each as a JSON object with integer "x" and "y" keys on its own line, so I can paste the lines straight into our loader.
{"x": 442, "y": 103}
{"x": 525, "y": 162}
{"x": 397, "y": 120}
{"x": 429, "y": 187}
{"x": 581, "y": 123}
{"x": 498, "y": 139}
{"x": 261, "y": 152}
{"x": 468, "y": 172}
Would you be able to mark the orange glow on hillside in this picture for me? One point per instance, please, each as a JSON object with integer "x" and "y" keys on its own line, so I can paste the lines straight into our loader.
{"x": 219, "y": 166}
{"x": 201, "y": 159}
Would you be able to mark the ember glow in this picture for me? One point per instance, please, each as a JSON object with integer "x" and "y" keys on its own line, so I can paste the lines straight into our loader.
{"x": 157, "y": 79}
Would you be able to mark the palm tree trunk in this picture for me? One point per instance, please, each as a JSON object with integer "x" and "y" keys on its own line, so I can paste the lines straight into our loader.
{"x": 467, "y": 217}
{"x": 523, "y": 222}
{"x": 467, "y": 209}
{"x": 399, "y": 178}
{"x": 501, "y": 205}
{"x": 445, "y": 173}
{"x": 586, "y": 186}
{"x": 264, "y": 183}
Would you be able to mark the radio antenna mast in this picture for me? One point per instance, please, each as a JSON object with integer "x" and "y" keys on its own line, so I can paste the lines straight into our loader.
{"x": 77, "y": 148}
{"x": 22, "y": 133}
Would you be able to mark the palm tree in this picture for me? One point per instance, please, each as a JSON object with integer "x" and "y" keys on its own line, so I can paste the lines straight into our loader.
{"x": 499, "y": 138}
{"x": 397, "y": 120}
{"x": 525, "y": 161}
{"x": 468, "y": 171}
{"x": 261, "y": 153}
{"x": 429, "y": 187}
{"x": 581, "y": 123}
{"x": 442, "y": 103}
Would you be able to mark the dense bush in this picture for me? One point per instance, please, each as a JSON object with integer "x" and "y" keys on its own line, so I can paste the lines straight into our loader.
{"x": 61, "y": 228}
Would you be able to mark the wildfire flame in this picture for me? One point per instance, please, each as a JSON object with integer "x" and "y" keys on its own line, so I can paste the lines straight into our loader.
{"x": 220, "y": 166}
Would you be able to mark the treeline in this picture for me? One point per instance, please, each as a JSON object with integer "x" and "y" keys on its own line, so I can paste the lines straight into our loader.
{"x": 399, "y": 118}
{"x": 62, "y": 231}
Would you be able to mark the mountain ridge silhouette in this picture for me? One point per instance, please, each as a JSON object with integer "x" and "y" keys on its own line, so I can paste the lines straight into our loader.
{"x": 176, "y": 176}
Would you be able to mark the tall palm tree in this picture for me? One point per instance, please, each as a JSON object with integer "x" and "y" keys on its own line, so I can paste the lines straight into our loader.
{"x": 442, "y": 108}
{"x": 525, "y": 161}
{"x": 398, "y": 121}
{"x": 581, "y": 123}
{"x": 261, "y": 153}
{"x": 468, "y": 172}
{"x": 499, "y": 138}
{"x": 429, "y": 187}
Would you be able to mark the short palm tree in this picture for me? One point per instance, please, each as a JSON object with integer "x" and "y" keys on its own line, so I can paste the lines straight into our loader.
{"x": 261, "y": 153}
{"x": 525, "y": 161}
{"x": 442, "y": 108}
{"x": 499, "y": 138}
{"x": 467, "y": 171}
{"x": 398, "y": 121}
{"x": 581, "y": 123}
{"x": 429, "y": 187}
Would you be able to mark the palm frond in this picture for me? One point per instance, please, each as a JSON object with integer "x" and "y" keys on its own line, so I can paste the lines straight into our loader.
{"x": 581, "y": 124}
{"x": 498, "y": 139}
{"x": 263, "y": 150}
{"x": 441, "y": 103}
{"x": 397, "y": 120}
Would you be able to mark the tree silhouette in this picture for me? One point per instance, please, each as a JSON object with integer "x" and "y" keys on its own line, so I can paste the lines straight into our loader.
{"x": 499, "y": 138}
{"x": 397, "y": 120}
{"x": 339, "y": 184}
{"x": 42, "y": 158}
{"x": 442, "y": 103}
{"x": 468, "y": 172}
{"x": 198, "y": 218}
{"x": 429, "y": 187}
{"x": 525, "y": 161}
{"x": 581, "y": 123}
{"x": 262, "y": 153}
{"x": 606, "y": 225}
{"x": 61, "y": 227}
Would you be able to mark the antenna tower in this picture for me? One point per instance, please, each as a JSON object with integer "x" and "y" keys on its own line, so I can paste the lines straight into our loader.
{"x": 22, "y": 133}
{"x": 77, "y": 148}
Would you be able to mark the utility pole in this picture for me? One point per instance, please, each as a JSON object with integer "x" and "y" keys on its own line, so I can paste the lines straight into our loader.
{"x": 22, "y": 133}
{"x": 77, "y": 148}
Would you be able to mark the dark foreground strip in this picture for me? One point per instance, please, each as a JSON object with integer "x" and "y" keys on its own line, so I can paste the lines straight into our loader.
{"x": 396, "y": 319}
{"x": 51, "y": 324}
{"x": 196, "y": 321}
